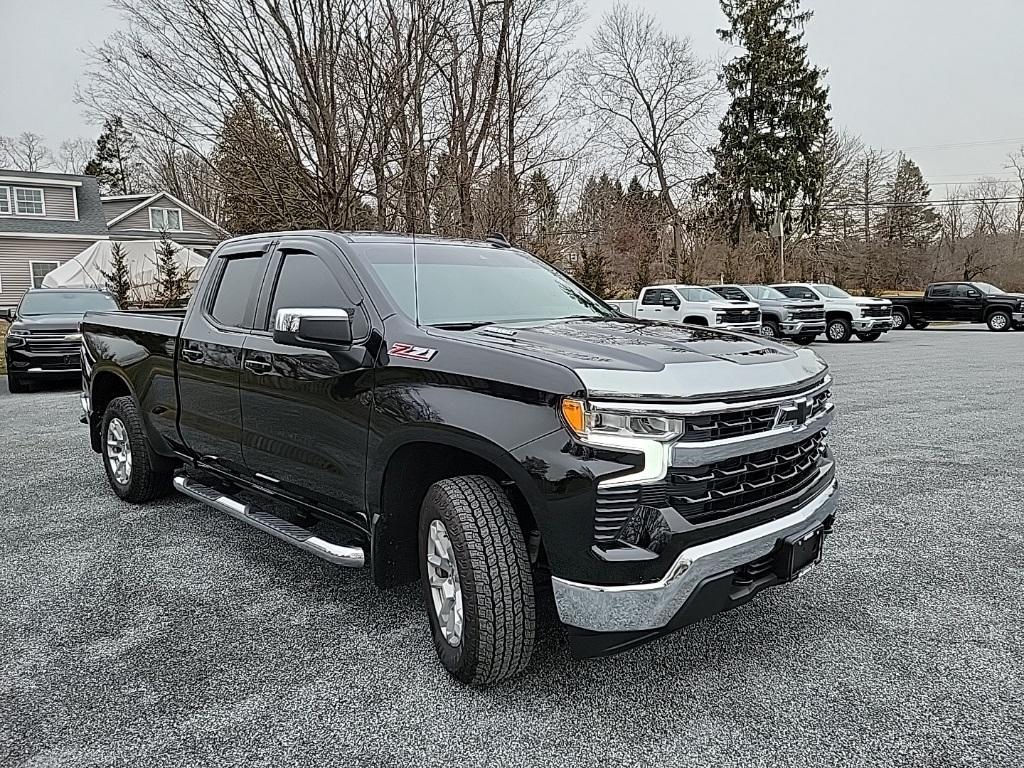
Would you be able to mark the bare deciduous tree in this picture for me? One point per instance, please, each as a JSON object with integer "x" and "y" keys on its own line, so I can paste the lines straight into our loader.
{"x": 652, "y": 100}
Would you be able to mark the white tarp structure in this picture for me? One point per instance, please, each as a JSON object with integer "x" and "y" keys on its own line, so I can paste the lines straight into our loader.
{"x": 87, "y": 268}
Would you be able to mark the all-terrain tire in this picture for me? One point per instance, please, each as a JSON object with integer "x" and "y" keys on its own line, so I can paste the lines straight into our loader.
{"x": 150, "y": 474}
{"x": 770, "y": 329}
{"x": 919, "y": 325}
{"x": 900, "y": 320}
{"x": 872, "y": 336}
{"x": 838, "y": 330}
{"x": 16, "y": 385}
{"x": 494, "y": 574}
{"x": 804, "y": 339}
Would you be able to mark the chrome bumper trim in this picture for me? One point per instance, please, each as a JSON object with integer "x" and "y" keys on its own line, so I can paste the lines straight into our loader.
{"x": 1018, "y": 317}
{"x": 872, "y": 324}
{"x": 53, "y": 370}
{"x": 638, "y": 607}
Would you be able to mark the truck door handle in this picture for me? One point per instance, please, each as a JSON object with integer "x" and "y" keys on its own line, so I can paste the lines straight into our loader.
{"x": 192, "y": 355}
{"x": 257, "y": 366}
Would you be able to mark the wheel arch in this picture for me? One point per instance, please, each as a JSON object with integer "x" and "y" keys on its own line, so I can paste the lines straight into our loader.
{"x": 407, "y": 467}
{"x": 696, "y": 320}
{"x": 838, "y": 314}
{"x": 106, "y": 385}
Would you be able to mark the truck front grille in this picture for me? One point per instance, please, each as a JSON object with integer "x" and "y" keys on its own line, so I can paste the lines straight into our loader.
{"x": 57, "y": 345}
{"x": 809, "y": 314}
{"x": 742, "y": 316}
{"x": 719, "y": 490}
{"x": 702, "y": 494}
{"x": 876, "y": 311}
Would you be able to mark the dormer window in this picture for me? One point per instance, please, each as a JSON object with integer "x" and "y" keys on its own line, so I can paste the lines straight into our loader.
{"x": 165, "y": 219}
{"x": 29, "y": 202}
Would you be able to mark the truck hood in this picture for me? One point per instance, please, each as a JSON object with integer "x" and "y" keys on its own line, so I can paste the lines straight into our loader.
{"x": 861, "y": 301}
{"x": 64, "y": 323}
{"x": 626, "y": 359}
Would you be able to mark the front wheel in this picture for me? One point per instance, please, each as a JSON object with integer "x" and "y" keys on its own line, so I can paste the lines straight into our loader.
{"x": 15, "y": 384}
{"x": 134, "y": 471}
{"x": 919, "y": 325}
{"x": 899, "y": 321}
{"x": 804, "y": 339}
{"x": 770, "y": 329}
{"x": 873, "y": 336}
{"x": 838, "y": 330}
{"x": 999, "y": 321}
{"x": 476, "y": 580}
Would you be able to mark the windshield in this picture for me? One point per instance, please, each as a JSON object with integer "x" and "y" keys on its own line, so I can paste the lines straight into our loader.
{"x": 703, "y": 294}
{"x": 986, "y": 288}
{"x": 764, "y": 292}
{"x": 54, "y": 302}
{"x": 474, "y": 285}
{"x": 831, "y": 292}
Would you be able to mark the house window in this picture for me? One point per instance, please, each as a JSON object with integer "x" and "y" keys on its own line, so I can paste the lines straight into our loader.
{"x": 29, "y": 202}
{"x": 165, "y": 219}
{"x": 41, "y": 269}
{"x": 5, "y": 199}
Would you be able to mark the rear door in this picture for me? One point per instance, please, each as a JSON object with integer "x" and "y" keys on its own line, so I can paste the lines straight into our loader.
{"x": 938, "y": 304}
{"x": 306, "y": 411}
{"x": 209, "y": 354}
{"x": 968, "y": 303}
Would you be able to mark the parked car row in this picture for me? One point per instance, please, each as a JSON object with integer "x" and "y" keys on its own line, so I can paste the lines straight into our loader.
{"x": 967, "y": 302}
{"x": 796, "y": 311}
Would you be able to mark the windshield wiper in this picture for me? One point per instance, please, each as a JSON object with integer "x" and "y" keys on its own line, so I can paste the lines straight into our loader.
{"x": 467, "y": 326}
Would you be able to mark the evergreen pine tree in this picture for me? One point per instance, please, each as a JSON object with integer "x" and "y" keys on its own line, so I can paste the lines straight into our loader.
{"x": 592, "y": 270}
{"x": 171, "y": 283}
{"x": 769, "y": 158}
{"x": 115, "y": 164}
{"x": 118, "y": 280}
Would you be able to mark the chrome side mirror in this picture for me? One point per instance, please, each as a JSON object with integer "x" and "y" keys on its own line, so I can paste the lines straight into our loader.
{"x": 319, "y": 328}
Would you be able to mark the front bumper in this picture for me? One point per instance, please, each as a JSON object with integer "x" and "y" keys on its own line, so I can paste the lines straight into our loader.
{"x": 742, "y": 327}
{"x": 698, "y": 584}
{"x": 871, "y": 324}
{"x": 803, "y": 327}
{"x": 1018, "y": 317}
{"x": 25, "y": 362}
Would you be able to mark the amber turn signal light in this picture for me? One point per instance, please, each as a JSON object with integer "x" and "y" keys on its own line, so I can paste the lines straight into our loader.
{"x": 574, "y": 414}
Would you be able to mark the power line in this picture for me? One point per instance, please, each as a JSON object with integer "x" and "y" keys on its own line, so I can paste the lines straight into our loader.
{"x": 960, "y": 145}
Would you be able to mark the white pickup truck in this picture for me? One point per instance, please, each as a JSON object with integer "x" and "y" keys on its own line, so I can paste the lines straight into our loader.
{"x": 845, "y": 315}
{"x": 692, "y": 305}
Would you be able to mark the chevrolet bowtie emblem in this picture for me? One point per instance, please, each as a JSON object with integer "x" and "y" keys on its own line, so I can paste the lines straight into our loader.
{"x": 794, "y": 413}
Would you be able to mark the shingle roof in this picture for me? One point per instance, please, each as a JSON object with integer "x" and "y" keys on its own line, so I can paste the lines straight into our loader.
{"x": 91, "y": 220}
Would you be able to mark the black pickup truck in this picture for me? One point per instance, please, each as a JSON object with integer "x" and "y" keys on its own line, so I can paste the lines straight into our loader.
{"x": 965, "y": 302}
{"x": 461, "y": 413}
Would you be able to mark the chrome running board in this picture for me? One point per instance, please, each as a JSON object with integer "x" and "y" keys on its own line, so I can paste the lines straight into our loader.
{"x": 350, "y": 557}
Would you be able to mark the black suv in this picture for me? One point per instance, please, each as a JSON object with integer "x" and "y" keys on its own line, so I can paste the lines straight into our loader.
{"x": 44, "y": 340}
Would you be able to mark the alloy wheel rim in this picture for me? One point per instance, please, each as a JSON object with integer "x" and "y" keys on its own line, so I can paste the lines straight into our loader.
{"x": 445, "y": 587}
{"x": 898, "y": 321}
{"x": 119, "y": 451}
{"x": 998, "y": 322}
{"x": 768, "y": 331}
{"x": 835, "y": 331}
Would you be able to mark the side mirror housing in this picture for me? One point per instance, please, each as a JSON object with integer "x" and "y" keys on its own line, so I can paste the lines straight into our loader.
{"x": 317, "y": 328}
{"x": 10, "y": 314}
{"x": 669, "y": 301}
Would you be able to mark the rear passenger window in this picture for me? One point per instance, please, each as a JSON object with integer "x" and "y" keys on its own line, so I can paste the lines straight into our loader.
{"x": 233, "y": 303}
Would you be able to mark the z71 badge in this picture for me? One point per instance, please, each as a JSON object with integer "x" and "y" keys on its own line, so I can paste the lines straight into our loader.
{"x": 423, "y": 354}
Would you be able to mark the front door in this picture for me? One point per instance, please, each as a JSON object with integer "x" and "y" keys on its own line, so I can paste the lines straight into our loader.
{"x": 968, "y": 303}
{"x": 210, "y": 353}
{"x": 306, "y": 411}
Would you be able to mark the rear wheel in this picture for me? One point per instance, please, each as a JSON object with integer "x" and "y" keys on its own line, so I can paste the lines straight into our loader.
{"x": 134, "y": 471}
{"x": 804, "y": 339}
{"x": 873, "y": 336}
{"x": 770, "y": 329}
{"x": 919, "y": 325}
{"x": 899, "y": 320}
{"x": 476, "y": 580}
{"x": 16, "y": 384}
{"x": 999, "y": 321}
{"x": 838, "y": 330}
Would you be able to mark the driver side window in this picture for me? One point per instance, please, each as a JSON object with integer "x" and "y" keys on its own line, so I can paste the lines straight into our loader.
{"x": 964, "y": 291}
{"x": 305, "y": 281}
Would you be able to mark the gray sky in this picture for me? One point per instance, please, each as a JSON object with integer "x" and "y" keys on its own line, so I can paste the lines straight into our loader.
{"x": 904, "y": 74}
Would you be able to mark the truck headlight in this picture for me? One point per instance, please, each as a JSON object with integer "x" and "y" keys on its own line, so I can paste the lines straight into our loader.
{"x": 17, "y": 332}
{"x": 585, "y": 420}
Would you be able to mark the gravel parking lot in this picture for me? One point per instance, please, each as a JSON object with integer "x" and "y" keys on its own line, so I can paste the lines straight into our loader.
{"x": 169, "y": 635}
